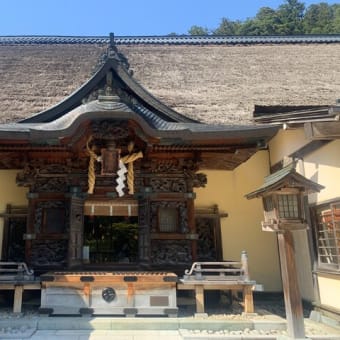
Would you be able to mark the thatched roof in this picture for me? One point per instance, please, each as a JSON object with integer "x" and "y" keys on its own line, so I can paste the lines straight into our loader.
{"x": 212, "y": 83}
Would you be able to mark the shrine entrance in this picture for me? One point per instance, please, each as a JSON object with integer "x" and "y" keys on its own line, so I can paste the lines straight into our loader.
{"x": 110, "y": 233}
{"x": 111, "y": 240}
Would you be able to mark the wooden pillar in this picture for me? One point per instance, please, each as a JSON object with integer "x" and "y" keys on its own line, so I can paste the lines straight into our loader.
{"x": 292, "y": 296}
{"x": 192, "y": 227}
{"x": 76, "y": 231}
{"x": 18, "y": 290}
{"x": 30, "y": 232}
{"x": 199, "y": 292}
{"x": 248, "y": 299}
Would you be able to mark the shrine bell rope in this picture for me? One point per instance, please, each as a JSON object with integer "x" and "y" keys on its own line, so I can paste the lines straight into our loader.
{"x": 91, "y": 171}
{"x": 128, "y": 159}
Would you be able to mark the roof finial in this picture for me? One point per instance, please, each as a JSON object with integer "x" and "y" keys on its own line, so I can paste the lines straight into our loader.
{"x": 112, "y": 52}
{"x": 112, "y": 40}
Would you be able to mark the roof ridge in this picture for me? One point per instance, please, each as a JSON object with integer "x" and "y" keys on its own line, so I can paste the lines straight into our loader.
{"x": 172, "y": 40}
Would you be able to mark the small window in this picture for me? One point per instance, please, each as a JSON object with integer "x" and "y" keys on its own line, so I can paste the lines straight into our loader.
{"x": 168, "y": 220}
{"x": 288, "y": 206}
{"x": 54, "y": 220}
{"x": 328, "y": 235}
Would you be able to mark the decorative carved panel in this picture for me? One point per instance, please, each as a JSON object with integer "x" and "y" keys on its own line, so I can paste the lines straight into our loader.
{"x": 196, "y": 180}
{"x": 49, "y": 252}
{"x": 111, "y": 130}
{"x": 11, "y": 160}
{"x": 171, "y": 165}
{"x": 43, "y": 177}
{"x": 206, "y": 245}
{"x": 208, "y": 227}
{"x": 57, "y": 184}
{"x": 161, "y": 184}
{"x": 171, "y": 252}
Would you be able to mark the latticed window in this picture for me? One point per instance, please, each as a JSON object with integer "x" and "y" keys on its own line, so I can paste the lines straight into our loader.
{"x": 328, "y": 235}
{"x": 268, "y": 203}
{"x": 288, "y": 206}
{"x": 168, "y": 220}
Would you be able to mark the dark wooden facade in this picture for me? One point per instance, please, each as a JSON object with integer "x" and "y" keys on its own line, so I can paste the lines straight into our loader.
{"x": 71, "y": 159}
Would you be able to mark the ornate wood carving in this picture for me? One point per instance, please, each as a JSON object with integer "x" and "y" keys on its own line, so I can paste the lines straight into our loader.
{"x": 58, "y": 184}
{"x": 170, "y": 165}
{"x": 206, "y": 245}
{"x": 49, "y": 253}
{"x": 161, "y": 184}
{"x": 43, "y": 177}
{"x": 171, "y": 252}
{"x": 196, "y": 180}
{"x": 110, "y": 130}
{"x": 11, "y": 160}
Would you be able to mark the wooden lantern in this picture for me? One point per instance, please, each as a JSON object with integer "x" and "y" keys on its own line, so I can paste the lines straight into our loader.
{"x": 283, "y": 209}
{"x": 283, "y": 199}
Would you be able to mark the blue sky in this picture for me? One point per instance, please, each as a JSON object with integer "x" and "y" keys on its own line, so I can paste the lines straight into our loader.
{"x": 122, "y": 17}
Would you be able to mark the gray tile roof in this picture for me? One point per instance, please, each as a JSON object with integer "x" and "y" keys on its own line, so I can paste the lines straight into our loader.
{"x": 172, "y": 40}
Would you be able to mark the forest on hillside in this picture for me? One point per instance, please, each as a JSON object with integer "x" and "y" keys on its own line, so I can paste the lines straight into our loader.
{"x": 290, "y": 18}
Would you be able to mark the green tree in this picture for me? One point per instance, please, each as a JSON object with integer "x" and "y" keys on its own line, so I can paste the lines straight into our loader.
{"x": 250, "y": 27}
{"x": 336, "y": 20}
{"x": 291, "y": 15}
{"x": 319, "y": 19}
{"x": 268, "y": 21}
{"x": 227, "y": 27}
{"x": 290, "y": 18}
{"x": 198, "y": 30}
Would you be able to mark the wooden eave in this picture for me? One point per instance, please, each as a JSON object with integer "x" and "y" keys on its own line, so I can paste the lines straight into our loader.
{"x": 291, "y": 115}
{"x": 217, "y": 147}
{"x": 192, "y": 134}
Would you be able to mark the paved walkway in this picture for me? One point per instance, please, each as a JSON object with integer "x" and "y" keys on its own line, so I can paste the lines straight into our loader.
{"x": 105, "y": 334}
{"x": 67, "y": 328}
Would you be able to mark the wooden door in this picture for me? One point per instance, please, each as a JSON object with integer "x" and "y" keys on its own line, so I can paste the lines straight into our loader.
{"x": 208, "y": 228}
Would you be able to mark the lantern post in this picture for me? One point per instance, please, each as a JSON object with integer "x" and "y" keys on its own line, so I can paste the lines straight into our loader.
{"x": 283, "y": 204}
